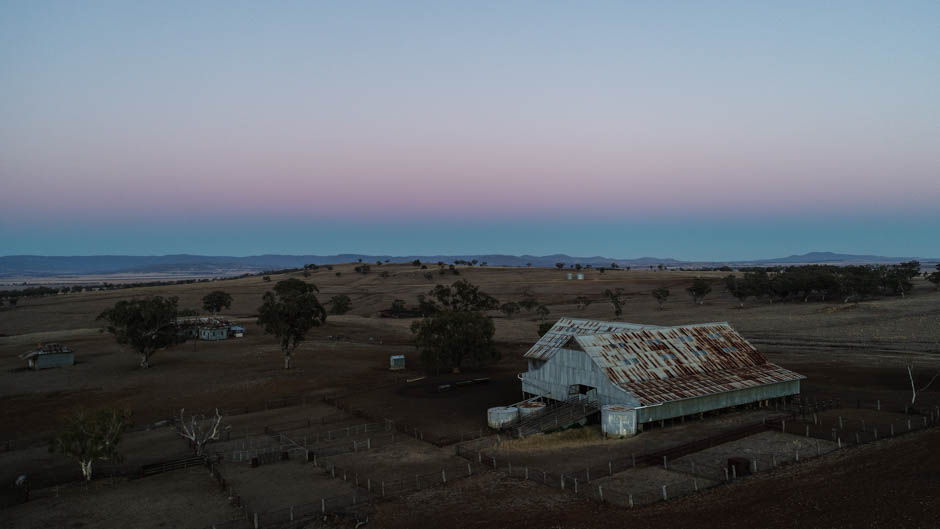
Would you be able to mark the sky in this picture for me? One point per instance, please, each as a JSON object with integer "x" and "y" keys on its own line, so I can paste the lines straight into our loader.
{"x": 693, "y": 130}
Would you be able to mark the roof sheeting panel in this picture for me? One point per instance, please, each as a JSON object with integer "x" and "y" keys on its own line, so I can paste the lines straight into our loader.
{"x": 565, "y": 328}
{"x": 671, "y": 352}
{"x": 659, "y": 391}
{"x": 666, "y": 364}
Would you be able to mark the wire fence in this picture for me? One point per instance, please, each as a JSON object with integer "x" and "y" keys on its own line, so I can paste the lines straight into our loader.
{"x": 366, "y": 490}
{"x": 815, "y": 429}
{"x": 276, "y": 447}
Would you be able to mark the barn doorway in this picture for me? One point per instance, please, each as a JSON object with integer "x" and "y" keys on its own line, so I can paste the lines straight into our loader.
{"x": 582, "y": 392}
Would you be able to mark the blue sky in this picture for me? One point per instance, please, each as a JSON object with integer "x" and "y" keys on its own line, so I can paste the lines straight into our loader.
{"x": 721, "y": 130}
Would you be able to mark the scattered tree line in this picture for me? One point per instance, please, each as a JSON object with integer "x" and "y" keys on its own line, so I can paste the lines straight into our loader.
{"x": 825, "y": 282}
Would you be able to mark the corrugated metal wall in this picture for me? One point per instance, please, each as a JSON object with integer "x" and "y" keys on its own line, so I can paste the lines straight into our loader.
{"x": 717, "y": 401}
{"x": 48, "y": 360}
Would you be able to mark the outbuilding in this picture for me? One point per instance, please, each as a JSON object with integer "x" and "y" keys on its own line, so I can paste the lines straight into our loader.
{"x": 213, "y": 332}
{"x": 643, "y": 373}
{"x": 49, "y": 355}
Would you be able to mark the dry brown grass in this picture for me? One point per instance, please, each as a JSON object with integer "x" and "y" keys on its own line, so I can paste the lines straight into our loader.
{"x": 572, "y": 437}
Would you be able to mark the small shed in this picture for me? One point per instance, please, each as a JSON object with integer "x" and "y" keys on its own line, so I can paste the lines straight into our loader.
{"x": 396, "y": 362}
{"x": 236, "y": 331}
{"x": 49, "y": 355}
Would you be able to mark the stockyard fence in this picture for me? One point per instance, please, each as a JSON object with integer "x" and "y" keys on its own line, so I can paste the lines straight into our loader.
{"x": 366, "y": 490}
{"x": 172, "y": 418}
{"x": 401, "y": 427}
{"x": 690, "y": 470}
{"x": 274, "y": 447}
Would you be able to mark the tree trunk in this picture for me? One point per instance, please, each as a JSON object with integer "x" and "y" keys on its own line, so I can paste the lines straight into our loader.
{"x": 287, "y": 361}
{"x": 86, "y": 469}
{"x": 144, "y": 360}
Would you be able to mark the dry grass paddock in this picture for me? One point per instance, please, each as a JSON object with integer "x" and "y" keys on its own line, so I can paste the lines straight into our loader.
{"x": 847, "y": 351}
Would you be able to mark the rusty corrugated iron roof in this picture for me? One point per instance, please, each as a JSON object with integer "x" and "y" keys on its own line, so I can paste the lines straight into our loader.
{"x": 672, "y": 363}
{"x": 565, "y": 328}
{"x": 49, "y": 348}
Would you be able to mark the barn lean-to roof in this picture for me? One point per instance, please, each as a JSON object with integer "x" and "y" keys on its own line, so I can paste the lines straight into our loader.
{"x": 664, "y": 364}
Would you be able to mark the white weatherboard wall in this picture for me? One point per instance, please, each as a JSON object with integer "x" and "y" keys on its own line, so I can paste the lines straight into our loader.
{"x": 568, "y": 367}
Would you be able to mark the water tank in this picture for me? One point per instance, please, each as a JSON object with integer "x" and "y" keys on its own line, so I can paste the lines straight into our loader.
{"x": 569, "y": 275}
{"x": 580, "y": 276}
{"x": 530, "y": 408}
{"x": 618, "y": 420}
{"x": 501, "y": 416}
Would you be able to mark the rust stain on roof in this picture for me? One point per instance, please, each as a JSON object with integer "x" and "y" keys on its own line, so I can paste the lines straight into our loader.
{"x": 566, "y": 328}
{"x": 672, "y": 363}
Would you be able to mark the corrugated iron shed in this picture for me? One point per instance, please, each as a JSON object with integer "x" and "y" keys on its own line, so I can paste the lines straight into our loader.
{"x": 672, "y": 363}
{"x": 565, "y": 328}
{"x": 49, "y": 348}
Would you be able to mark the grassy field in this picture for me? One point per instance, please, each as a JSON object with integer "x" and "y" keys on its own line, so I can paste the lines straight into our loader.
{"x": 848, "y": 351}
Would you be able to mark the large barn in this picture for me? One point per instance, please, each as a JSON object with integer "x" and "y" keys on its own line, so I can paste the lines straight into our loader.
{"x": 652, "y": 373}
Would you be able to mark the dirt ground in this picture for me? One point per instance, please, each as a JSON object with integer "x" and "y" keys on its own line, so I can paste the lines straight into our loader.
{"x": 849, "y": 352}
{"x": 597, "y": 454}
{"x": 283, "y": 484}
{"x": 400, "y": 460}
{"x": 891, "y": 483}
{"x": 182, "y": 498}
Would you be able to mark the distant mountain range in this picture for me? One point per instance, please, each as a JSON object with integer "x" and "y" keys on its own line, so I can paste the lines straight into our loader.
{"x": 207, "y": 265}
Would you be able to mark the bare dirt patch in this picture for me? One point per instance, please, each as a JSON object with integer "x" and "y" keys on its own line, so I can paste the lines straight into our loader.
{"x": 183, "y": 498}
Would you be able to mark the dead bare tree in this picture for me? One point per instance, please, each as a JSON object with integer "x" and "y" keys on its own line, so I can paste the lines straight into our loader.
{"x": 914, "y": 390}
{"x": 200, "y": 430}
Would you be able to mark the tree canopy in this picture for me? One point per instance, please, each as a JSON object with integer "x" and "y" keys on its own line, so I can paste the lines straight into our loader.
{"x": 216, "y": 300}
{"x": 699, "y": 289}
{"x": 934, "y": 277}
{"x": 454, "y": 331}
{"x": 509, "y": 309}
{"x": 340, "y": 304}
{"x": 615, "y": 298}
{"x": 145, "y": 325}
{"x": 288, "y": 312}
{"x": 455, "y": 339}
{"x": 661, "y": 294}
{"x": 91, "y": 436}
{"x": 463, "y": 296}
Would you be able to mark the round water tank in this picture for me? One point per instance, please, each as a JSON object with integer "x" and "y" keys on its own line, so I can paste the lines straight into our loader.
{"x": 501, "y": 416}
{"x": 530, "y": 408}
{"x": 618, "y": 420}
